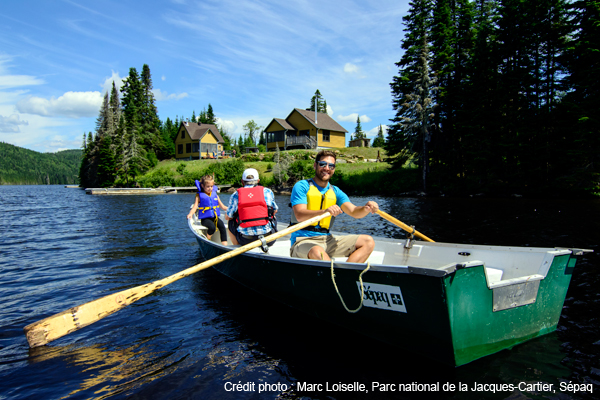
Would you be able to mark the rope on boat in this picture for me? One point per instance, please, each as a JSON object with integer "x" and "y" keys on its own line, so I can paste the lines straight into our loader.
{"x": 362, "y": 288}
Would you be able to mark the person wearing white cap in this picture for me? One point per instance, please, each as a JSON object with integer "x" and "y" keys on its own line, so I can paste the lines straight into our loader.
{"x": 251, "y": 211}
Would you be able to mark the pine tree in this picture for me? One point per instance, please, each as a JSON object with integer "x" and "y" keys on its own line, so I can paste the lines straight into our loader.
{"x": 210, "y": 116}
{"x": 320, "y": 102}
{"x": 417, "y": 25}
{"x": 84, "y": 165}
{"x": 106, "y": 162}
{"x": 358, "y": 132}
{"x": 379, "y": 139}
{"x": 132, "y": 100}
{"x": 149, "y": 121}
{"x": 451, "y": 49}
{"x": 412, "y": 90}
{"x": 115, "y": 117}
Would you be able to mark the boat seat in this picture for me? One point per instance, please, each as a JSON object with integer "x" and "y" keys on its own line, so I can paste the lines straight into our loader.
{"x": 281, "y": 249}
{"x": 376, "y": 257}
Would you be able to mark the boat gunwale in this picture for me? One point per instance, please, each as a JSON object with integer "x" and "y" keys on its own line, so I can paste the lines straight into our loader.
{"x": 440, "y": 271}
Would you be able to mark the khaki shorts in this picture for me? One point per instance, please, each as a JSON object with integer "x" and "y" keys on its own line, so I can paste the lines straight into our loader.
{"x": 341, "y": 246}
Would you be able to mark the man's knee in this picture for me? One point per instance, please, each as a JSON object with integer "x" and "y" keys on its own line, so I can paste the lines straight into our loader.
{"x": 317, "y": 253}
{"x": 365, "y": 241}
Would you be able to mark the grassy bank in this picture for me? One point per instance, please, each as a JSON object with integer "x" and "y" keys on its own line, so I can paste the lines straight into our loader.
{"x": 356, "y": 171}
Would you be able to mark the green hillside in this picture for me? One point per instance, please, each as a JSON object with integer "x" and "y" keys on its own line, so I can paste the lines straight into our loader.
{"x": 19, "y": 166}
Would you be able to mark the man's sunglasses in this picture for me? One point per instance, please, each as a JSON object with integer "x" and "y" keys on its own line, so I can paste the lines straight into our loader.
{"x": 324, "y": 164}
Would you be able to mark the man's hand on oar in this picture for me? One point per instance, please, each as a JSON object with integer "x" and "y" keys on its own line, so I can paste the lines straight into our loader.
{"x": 58, "y": 325}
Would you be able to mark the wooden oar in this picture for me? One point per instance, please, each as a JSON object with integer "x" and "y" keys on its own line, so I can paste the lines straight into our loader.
{"x": 58, "y": 325}
{"x": 403, "y": 225}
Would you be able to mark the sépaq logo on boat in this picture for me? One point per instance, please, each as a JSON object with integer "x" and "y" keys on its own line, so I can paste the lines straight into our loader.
{"x": 385, "y": 297}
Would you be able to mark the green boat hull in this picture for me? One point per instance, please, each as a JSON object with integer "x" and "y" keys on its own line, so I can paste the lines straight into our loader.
{"x": 451, "y": 316}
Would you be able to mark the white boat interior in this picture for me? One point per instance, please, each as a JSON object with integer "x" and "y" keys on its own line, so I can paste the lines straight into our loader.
{"x": 503, "y": 266}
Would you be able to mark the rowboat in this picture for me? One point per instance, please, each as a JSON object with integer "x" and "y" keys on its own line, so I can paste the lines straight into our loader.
{"x": 453, "y": 303}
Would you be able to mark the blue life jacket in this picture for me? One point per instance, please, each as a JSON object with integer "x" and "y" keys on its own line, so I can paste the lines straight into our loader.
{"x": 207, "y": 204}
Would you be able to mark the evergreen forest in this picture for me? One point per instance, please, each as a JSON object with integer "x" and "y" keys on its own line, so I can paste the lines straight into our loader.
{"x": 500, "y": 96}
{"x": 130, "y": 138}
{"x": 19, "y": 166}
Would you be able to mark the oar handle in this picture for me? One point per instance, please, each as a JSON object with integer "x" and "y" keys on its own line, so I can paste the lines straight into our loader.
{"x": 58, "y": 325}
{"x": 403, "y": 225}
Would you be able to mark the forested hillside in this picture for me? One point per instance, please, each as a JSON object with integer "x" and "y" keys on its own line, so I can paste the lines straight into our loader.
{"x": 19, "y": 166}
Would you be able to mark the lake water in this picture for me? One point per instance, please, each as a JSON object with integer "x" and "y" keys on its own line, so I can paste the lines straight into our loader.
{"x": 200, "y": 336}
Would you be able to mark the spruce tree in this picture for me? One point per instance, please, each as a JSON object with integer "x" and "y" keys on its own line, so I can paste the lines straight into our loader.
{"x": 412, "y": 91}
{"x": 149, "y": 121}
{"x": 106, "y": 162}
{"x": 358, "y": 132}
{"x": 210, "y": 116}
{"x": 319, "y": 102}
{"x": 379, "y": 139}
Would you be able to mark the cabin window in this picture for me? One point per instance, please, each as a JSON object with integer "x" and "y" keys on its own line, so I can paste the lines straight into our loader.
{"x": 208, "y": 148}
{"x": 305, "y": 132}
{"x": 326, "y": 136}
{"x": 195, "y": 147}
{"x": 276, "y": 136}
{"x": 182, "y": 134}
{"x": 179, "y": 149}
{"x": 188, "y": 147}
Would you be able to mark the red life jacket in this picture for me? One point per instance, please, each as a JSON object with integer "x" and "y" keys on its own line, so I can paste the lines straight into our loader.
{"x": 252, "y": 207}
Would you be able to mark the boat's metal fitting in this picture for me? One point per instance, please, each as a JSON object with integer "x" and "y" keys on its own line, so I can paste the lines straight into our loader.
{"x": 410, "y": 236}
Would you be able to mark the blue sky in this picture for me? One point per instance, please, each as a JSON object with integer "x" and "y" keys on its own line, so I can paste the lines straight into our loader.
{"x": 251, "y": 60}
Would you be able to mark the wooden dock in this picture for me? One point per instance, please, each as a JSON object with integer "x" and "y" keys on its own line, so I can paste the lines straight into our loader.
{"x": 129, "y": 191}
{"x": 159, "y": 190}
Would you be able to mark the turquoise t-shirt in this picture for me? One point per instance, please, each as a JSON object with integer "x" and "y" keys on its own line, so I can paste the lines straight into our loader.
{"x": 299, "y": 197}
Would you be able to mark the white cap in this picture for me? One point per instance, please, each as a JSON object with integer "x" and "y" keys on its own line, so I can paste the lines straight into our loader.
{"x": 250, "y": 171}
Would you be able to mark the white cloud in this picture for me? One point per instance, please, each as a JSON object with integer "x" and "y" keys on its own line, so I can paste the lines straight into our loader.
{"x": 329, "y": 110}
{"x": 11, "y": 123}
{"x": 108, "y": 82}
{"x": 164, "y": 78}
{"x": 12, "y": 81}
{"x": 350, "y": 68}
{"x": 348, "y": 118}
{"x": 70, "y": 104}
{"x": 159, "y": 95}
{"x": 372, "y": 133}
{"x": 228, "y": 126}
{"x": 352, "y": 118}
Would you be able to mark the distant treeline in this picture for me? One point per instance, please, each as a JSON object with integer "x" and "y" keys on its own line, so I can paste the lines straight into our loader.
{"x": 19, "y": 166}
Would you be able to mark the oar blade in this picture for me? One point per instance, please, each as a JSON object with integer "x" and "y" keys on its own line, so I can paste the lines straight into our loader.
{"x": 58, "y": 325}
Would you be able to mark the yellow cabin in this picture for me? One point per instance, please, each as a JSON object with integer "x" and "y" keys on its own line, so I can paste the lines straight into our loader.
{"x": 198, "y": 141}
{"x": 304, "y": 129}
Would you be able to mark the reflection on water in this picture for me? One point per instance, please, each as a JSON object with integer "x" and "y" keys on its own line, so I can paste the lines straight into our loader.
{"x": 60, "y": 247}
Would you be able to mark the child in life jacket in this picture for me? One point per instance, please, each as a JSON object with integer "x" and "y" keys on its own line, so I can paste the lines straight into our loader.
{"x": 209, "y": 207}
